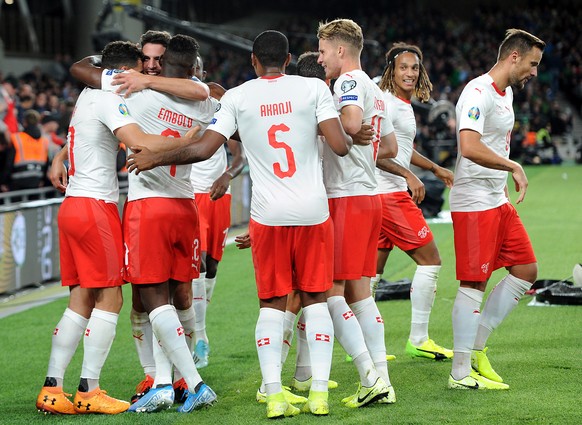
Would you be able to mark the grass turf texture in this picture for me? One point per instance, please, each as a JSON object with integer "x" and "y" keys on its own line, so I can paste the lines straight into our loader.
{"x": 536, "y": 350}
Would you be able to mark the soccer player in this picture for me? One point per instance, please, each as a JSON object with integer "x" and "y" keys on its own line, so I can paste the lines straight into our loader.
{"x": 277, "y": 117}
{"x": 403, "y": 224}
{"x": 351, "y": 184}
{"x": 487, "y": 229}
{"x": 161, "y": 211}
{"x": 90, "y": 237}
{"x": 211, "y": 180}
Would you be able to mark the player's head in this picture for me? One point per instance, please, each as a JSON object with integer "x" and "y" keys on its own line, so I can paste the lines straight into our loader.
{"x": 153, "y": 45}
{"x": 405, "y": 75}
{"x": 180, "y": 56}
{"x": 522, "y": 52}
{"x": 307, "y": 66}
{"x": 270, "y": 49}
{"x": 121, "y": 55}
{"x": 199, "y": 71}
{"x": 338, "y": 40}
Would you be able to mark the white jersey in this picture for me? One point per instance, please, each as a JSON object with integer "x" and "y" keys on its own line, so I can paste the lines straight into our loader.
{"x": 170, "y": 116}
{"x": 402, "y": 115}
{"x": 205, "y": 173}
{"x": 277, "y": 120}
{"x": 93, "y": 146}
{"x": 353, "y": 174}
{"x": 488, "y": 111}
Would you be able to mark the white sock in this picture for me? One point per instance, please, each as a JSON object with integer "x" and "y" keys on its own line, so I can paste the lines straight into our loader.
{"x": 422, "y": 294}
{"x": 287, "y": 334}
{"x": 199, "y": 303}
{"x": 372, "y": 326}
{"x": 142, "y": 335}
{"x": 374, "y": 284}
{"x": 99, "y": 336}
{"x": 163, "y": 365}
{"x": 349, "y": 333}
{"x": 269, "y": 340}
{"x": 500, "y": 302}
{"x": 209, "y": 283}
{"x": 319, "y": 333}
{"x": 170, "y": 333}
{"x": 65, "y": 340}
{"x": 466, "y": 317}
{"x": 187, "y": 319}
{"x": 303, "y": 361}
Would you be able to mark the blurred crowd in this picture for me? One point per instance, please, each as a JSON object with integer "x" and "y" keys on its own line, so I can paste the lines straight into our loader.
{"x": 455, "y": 51}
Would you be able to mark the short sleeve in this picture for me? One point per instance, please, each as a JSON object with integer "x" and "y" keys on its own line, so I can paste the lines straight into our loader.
{"x": 474, "y": 108}
{"x": 325, "y": 108}
{"x": 349, "y": 91}
{"x": 224, "y": 121}
{"x": 112, "y": 111}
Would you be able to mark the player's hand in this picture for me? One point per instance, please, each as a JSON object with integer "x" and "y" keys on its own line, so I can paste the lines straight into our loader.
{"x": 520, "y": 181}
{"x": 129, "y": 82}
{"x": 193, "y": 133}
{"x": 416, "y": 187}
{"x": 141, "y": 159}
{"x": 445, "y": 175}
{"x": 58, "y": 175}
{"x": 216, "y": 90}
{"x": 365, "y": 136}
{"x": 219, "y": 187}
{"x": 243, "y": 241}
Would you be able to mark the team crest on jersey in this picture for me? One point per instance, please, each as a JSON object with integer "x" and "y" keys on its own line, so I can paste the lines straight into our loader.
{"x": 123, "y": 109}
{"x": 348, "y": 85}
{"x": 474, "y": 113}
{"x": 218, "y": 106}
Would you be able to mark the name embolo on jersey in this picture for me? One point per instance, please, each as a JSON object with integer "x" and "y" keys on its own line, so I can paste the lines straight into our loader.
{"x": 354, "y": 174}
{"x": 93, "y": 146}
{"x": 402, "y": 116}
{"x": 170, "y": 116}
{"x": 277, "y": 120}
{"x": 483, "y": 108}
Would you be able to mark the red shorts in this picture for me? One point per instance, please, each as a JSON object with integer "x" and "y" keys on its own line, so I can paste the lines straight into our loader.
{"x": 488, "y": 240}
{"x": 292, "y": 257}
{"x": 91, "y": 243}
{"x": 214, "y": 219}
{"x": 403, "y": 224}
{"x": 356, "y": 223}
{"x": 161, "y": 240}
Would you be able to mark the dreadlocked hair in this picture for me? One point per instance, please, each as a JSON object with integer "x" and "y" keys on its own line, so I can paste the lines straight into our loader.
{"x": 423, "y": 84}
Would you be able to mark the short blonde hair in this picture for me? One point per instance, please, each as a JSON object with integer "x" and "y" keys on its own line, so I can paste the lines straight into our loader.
{"x": 344, "y": 30}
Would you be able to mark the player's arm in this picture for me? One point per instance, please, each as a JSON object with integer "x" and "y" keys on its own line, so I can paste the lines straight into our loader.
{"x": 351, "y": 117}
{"x": 338, "y": 140}
{"x": 184, "y": 88}
{"x": 415, "y": 185}
{"x": 87, "y": 71}
{"x": 132, "y": 135}
{"x": 58, "y": 172}
{"x": 220, "y": 185}
{"x": 441, "y": 173}
{"x": 144, "y": 159}
{"x": 216, "y": 90}
{"x": 472, "y": 148}
{"x": 388, "y": 147}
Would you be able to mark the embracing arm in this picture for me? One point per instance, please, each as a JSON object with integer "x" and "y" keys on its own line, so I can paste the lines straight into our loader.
{"x": 87, "y": 72}
{"x": 143, "y": 159}
{"x": 132, "y": 135}
{"x": 184, "y": 88}
{"x": 388, "y": 146}
{"x": 472, "y": 148}
{"x": 220, "y": 185}
{"x": 351, "y": 117}
{"x": 335, "y": 136}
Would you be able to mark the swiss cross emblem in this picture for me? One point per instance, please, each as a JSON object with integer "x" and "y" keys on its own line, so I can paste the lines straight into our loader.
{"x": 180, "y": 331}
{"x": 348, "y": 314}
{"x": 87, "y": 332}
{"x": 322, "y": 337}
{"x": 379, "y": 319}
{"x": 301, "y": 326}
{"x": 56, "y": 331}
{"x": 263, "y": 341}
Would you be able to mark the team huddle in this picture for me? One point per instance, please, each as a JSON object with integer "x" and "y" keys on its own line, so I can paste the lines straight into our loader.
{"x": 332, "y": 195}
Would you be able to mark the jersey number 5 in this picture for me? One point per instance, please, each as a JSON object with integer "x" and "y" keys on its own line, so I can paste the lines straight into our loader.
{"x": 288, "y": 152}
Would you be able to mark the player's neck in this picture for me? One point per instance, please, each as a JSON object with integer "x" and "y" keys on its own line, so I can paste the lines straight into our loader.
{"x": 273, "y": 71}
{"x": 351, "y": 64}
{"x": 500, "y": 76}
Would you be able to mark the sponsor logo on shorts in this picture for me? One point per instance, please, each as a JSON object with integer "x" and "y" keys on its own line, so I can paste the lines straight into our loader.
{"x": 423, "y": 233}
{"x": 485, "y": 268}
